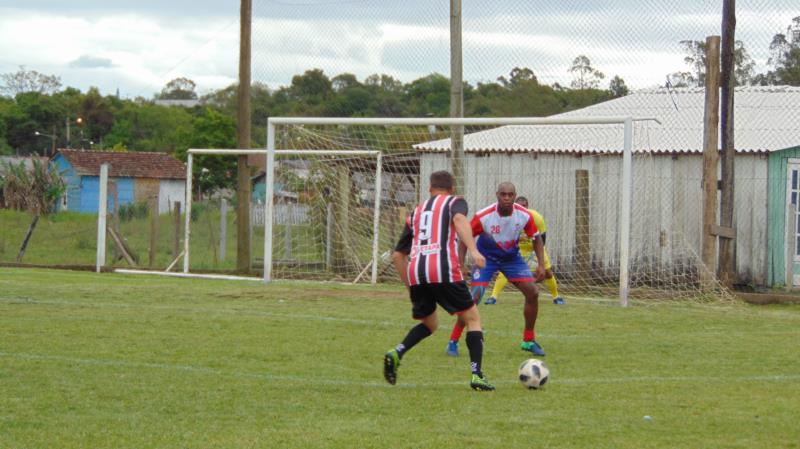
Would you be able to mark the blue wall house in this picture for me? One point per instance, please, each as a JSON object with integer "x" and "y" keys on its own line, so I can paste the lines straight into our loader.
{"x": 136, "y": 176}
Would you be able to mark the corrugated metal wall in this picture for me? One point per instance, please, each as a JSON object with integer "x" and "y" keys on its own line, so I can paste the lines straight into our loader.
{"x": 666, "y": 211}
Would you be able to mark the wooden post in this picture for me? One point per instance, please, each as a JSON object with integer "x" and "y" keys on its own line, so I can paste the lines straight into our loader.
{"x": 176, "y": 242}
{"x": 329, "y": 237}
{"x": 583, "y": 254}
{"x": 27, "y": 238}
{"x": 223, "y": 228}
{"x": 287, "y": 232}
{"x": 243, "y": 139}
{"x": 112, "y": 189}
{"x": 153, "y": 230}
{"x": 456, "y": 96}
{"x": 710, "y": 158}
{"x": 342, "y": 218}
{"x": 727, "y": 82}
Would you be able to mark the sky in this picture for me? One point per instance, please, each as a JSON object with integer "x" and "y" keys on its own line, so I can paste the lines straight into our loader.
{"x": 136, "y": 47}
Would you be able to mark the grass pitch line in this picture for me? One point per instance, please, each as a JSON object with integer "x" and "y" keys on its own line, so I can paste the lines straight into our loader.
{"x": 222, "y": 311}
{"x": 342, "y": 382}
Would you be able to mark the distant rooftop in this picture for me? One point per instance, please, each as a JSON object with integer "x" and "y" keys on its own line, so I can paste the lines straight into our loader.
{"x": 125, "y": 164}
{"x": 766, "y": 119}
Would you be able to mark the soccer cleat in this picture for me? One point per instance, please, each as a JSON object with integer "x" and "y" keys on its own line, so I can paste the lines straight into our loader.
{"x": 491, "y": 300}
{"x": 559, "y": 301}
{"x": 532, "y": 346}
{"x": 480, "y": 383}
{"x": 391, "y": 361}
{"x": 452, "y": 348}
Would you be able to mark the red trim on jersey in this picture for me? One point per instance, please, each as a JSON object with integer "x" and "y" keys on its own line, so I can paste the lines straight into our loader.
{"x": 477, "y": 226}
{"x": 530, "y": 227}
{"x": 433, "y": 260}
{"x": 526, "y": 279}
{"x": 412, "y": 267}
{"x": 479, "y": 284}
{"x": 455, "y": 266}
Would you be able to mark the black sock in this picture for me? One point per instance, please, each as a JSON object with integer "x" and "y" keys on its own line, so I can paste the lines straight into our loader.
{"x": 475, "y": 345}
{"x": 414, "y": 336}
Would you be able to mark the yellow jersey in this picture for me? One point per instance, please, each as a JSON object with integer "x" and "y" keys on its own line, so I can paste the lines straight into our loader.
{"x": 525, "y": 243}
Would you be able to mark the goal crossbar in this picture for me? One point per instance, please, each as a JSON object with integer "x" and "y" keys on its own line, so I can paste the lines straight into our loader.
{"x": 626, "y": 184}
{"x": 270, "y": 154}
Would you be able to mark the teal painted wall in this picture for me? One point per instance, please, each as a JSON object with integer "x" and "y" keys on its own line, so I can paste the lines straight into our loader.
{"x": 776, "y": 219}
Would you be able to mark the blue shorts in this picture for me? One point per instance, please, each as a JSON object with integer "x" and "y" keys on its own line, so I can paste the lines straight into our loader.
{"x": 515, "y": 269}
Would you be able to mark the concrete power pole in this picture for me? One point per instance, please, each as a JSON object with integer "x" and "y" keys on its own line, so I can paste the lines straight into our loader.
{"x": 243, "y": 140}
{"x": 727, "y": 83}
{"x": 456, "y": 96}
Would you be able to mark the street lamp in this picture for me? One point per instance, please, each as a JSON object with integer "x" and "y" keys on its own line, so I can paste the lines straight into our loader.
{"x": 52, "y": 138}
{"x": 78, "y": 121}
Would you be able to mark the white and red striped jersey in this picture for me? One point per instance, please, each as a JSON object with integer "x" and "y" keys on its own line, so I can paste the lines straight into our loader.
{"x": 498, "y": 236}
{"x": 431, "y": 241}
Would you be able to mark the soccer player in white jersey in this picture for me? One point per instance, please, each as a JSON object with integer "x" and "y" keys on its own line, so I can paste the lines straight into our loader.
{"x": 498, "y": 228}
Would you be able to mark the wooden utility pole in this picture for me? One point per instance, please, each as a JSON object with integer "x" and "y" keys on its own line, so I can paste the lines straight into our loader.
{"x": 456, "y": 96}
{"x": 151, "y": 261}
{"x": 710, "y": 157}
{"x": 727, "y": 82}
{"x": 243, "y": 140}
{"x": 583, "y": 256}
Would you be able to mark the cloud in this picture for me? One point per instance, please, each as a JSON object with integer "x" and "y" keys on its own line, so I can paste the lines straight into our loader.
{"x": 90, "y": 62}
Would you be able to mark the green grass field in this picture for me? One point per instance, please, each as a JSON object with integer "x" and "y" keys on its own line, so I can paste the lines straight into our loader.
{"x": 109, "y": 361}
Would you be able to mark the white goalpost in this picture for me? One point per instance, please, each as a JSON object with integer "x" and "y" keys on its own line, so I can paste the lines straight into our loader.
{"x": 268, "y": 209}
{"x": 625, "y": 186}
{"x": 336, "y": 191}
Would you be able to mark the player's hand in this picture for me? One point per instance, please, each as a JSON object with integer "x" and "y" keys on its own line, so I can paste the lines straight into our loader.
{"x": 478, "y": 258}
{"x": 540, "y": 273}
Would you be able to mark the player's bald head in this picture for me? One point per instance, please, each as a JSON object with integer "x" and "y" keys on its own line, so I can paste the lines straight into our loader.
{"x": 505, "y": 187}
{"x": 506, "y": 192}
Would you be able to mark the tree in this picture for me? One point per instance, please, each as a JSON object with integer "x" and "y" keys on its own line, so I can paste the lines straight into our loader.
{"x": 696, "y": 59}
{"x": 312, "y": 87}
{"x": 178, "y": 89}
{"x": 344, "y": 81}
{"x": 517, "y": 76}
{"x": 784, "y": 57}
{"x": 213, "y": 129}
{"x": 23, "y": 81}
{"x": 35, "y": 190}
{"x": 585, "y": 75}
{"x": 617, "y": 87}
{"x": 98, "y": 118}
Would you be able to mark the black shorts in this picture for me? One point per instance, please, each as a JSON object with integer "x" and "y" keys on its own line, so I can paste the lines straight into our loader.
{"x": 452, "y": 296}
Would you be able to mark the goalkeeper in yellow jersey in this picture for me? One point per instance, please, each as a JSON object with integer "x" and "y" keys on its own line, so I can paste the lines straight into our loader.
{"x": 526, "y": 249}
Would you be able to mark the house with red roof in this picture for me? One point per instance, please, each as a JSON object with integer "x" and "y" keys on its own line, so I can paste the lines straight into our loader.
{"x": 133, "y": 177}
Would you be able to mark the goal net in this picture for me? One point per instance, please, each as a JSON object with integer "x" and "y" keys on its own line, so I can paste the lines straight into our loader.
{"x": 618, "y": 227}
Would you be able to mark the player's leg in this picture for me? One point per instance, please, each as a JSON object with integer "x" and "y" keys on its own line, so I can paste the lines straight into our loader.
{"x": 518, "y": 272}
{"x": 531, "y": 312}
{"x": 424, "y": 310}
{"x": 455, "y": 298}
{"x": 550, "y": 280}
{"x": 480, "y": 279}
{"x": 499, "y": 284}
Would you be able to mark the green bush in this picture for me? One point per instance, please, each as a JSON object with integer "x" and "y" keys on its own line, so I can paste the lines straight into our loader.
{"x": 128, "y": 212}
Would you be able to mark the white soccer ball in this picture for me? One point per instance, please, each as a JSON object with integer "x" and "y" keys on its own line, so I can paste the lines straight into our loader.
{"x": 533, "y": 374}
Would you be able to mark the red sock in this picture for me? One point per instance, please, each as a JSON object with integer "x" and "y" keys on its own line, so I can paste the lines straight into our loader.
{"x": 457, "y": 330}
{"x": 528, "y": 335}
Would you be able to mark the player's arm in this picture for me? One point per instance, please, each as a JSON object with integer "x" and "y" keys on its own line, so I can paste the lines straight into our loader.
{"x": 538, "y": 246}
{"x": 464, "y": 231}
{"x": 400, "y": 255}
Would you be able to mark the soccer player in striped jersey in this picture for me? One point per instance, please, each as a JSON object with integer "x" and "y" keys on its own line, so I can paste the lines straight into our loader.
{"x": 526, "y": 249}
{"x": 428, "y": 260}
{"x": 498, "y": 228}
